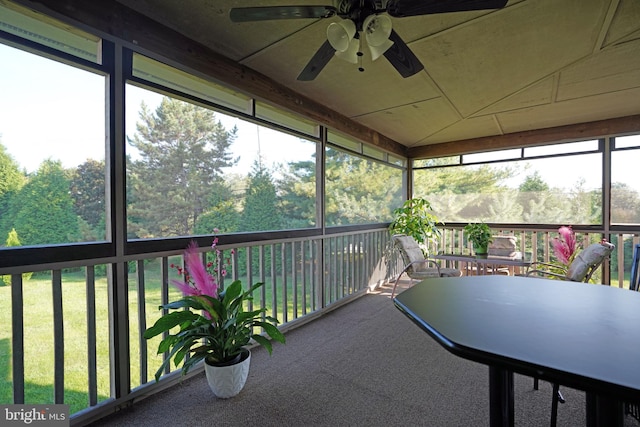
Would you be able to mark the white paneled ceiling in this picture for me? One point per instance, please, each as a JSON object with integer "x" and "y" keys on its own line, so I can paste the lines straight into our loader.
{"x": 532, "y": 64}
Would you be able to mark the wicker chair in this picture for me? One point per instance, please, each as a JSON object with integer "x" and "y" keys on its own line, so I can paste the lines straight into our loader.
{"x": 416, "y": 265}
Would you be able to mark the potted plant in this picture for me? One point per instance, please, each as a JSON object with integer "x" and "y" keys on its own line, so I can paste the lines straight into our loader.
{"x": 414, "y": 218}
{"x": 480, "y": 235}
{"x": 211, "y": 324}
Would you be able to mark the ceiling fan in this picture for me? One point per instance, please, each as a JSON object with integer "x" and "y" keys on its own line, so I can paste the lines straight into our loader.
{"x": 369, "y": 18}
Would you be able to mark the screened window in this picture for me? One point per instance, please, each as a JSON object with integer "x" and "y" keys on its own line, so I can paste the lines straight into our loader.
{"x": 360, "y": 190}
{"x": 192, "y": 170}
{"x": 52, "y": 152}
{"x": 625, "y": 188}
{"x": 548, "y": 190}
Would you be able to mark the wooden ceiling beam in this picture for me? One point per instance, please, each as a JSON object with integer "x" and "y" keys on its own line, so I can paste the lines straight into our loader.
{"x": 575, "y": 132}
{"x": 111, "y": 18}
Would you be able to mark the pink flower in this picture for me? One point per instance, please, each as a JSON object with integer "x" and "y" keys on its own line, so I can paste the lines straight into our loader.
{"x": 198, "y": 281}
{"x": 565, "y": 246}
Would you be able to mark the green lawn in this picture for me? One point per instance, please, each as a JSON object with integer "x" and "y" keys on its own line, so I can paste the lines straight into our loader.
{"x": 39, "y": 346}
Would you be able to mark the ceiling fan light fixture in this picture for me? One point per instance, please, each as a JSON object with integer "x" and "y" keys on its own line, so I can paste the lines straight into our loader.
{"x": 340, "y": 34}
{"x": 378, "y": 51}
{"x": 351, "y": 53}
{"x": 377, "y": 30}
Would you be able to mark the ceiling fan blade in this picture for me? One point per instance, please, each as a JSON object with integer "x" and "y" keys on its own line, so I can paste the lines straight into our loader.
{"x": 318, "y": 62}
{"x": 250, "y": 14}
{"x": 401, "y": 57}
{"x": 399, "y": 8}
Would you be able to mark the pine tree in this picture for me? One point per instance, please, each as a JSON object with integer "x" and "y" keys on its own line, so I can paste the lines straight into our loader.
{"x": 182, "y": 151}
{"x": 261, "y": 210}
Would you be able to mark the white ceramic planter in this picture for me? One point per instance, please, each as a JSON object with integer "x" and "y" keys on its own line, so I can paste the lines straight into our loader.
{"x": 228, "y": 381}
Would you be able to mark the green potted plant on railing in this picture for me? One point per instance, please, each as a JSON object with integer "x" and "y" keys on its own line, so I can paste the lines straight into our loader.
{"x": 211, "y": 324}
{"x": 479, "y": 234}
{"x": 415, "y": 218}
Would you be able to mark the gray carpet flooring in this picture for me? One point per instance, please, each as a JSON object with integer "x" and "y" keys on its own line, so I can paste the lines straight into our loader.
{"x": 363, "y": 364}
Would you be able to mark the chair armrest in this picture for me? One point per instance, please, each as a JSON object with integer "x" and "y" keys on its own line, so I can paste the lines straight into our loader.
{"x": 542, "y": 273}
{"x": 425, "y": 261}
{"x": 428, "y": 261}
{"x": 406, "y": 267}
{"x": 535, "y": 265}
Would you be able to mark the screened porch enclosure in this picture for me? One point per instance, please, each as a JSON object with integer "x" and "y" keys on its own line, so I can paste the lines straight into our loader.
{"x": 115, "y": 155}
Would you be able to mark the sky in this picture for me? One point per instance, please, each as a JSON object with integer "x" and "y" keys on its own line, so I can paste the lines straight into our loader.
{"x": 51, "y": 110}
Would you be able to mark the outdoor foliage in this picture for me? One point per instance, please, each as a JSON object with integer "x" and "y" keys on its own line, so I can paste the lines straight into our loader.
{"x": 464, "y": 194}
{"x": 42, "y": 210}
{"x": 181, "y": 181}
{"x": 359, "y": 191}
{"x": 88, "y": 191}
{"x": 261, "y": 211}
{"x": 298, "y": 194}
{"x": 13, "y": 241}
{"x": 183, "y": 150}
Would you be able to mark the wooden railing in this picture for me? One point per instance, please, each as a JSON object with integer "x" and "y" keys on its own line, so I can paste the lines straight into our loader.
{"x": 68, "y": 339}
{"x": 536, "y": 242}
{"x": 67, "y": 344}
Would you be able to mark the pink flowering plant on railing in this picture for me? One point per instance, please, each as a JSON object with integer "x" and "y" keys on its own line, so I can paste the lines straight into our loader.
{"x": 565, "y": 246}
{"x": 212, "y": 323}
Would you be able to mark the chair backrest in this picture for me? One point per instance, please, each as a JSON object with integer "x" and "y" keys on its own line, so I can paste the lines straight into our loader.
{"x": 635, "y": 276}
{"x": 504, "y": 245}
{"x": 410, "y": 252}
{"x": 588, "y": 261}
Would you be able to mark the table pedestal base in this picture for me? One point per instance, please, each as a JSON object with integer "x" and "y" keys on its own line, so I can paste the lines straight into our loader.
{"x": 501, "y": 397}
{"x": 603, "y": 411}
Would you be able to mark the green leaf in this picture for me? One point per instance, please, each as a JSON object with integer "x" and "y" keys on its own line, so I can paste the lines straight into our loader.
{"x": 169, "y": 321}
{"x": 263, "y": 342}
{"x": 231, "y": 292}
{"x": 272, "y": 331}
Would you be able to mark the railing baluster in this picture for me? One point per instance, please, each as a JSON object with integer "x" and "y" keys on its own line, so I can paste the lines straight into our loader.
{"x": 164, "y": 274}
{"x": 90, "y": 285}
{"x": 343, "y": 254}
{"x": 17, "y": 327}
{"x": 142, "y": 322}
{"x": 58, "y": 337}
{"x": 283, "y": 268}
{"x": 274, "y": 287}
{"x": 295, "y": 278}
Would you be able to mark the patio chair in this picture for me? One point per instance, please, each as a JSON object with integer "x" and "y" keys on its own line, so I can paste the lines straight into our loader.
{"x": 580, "y": 270}
{"x": 416, "y": 265}
{"x": 503, "y": 246}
